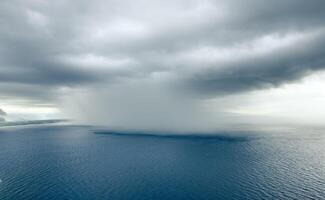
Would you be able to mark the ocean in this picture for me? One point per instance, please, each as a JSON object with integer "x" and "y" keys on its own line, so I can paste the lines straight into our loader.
{"x": 83, "y": 162}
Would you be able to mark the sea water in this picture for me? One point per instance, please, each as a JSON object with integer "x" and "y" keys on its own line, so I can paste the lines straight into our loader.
{"x": 78, "y": 162}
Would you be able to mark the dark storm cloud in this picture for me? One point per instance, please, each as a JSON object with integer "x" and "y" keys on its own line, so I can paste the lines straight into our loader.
{"x": 49, "y": 45}
{"x": 263, "y": 71}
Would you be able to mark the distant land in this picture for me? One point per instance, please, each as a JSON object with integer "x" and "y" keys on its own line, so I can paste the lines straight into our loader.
{"x": 2, "y": 114}
{"x": 3, "y": 121}
{"x": 30, "y": 122}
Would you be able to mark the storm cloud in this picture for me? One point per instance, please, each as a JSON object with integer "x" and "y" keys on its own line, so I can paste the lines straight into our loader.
{"x": 51, "y": 51}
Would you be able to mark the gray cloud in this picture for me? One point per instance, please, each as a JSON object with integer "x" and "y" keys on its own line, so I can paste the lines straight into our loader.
{"x": 207, "y": 48}
{"x": 267, "y": 70}
{"x": 2, "y": 113}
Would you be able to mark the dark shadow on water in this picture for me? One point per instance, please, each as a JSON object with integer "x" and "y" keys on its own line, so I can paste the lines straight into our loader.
{"x": 225, "y": 136}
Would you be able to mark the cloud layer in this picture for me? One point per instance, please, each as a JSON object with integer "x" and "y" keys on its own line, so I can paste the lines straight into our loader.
{"x": 186, "y": 51}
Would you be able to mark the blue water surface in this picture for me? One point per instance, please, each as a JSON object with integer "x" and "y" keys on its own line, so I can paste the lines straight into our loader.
{"x": 78, "y": 162}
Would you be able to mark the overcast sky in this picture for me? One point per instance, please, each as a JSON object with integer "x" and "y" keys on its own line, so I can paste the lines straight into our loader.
{"x": 152, "y": 64}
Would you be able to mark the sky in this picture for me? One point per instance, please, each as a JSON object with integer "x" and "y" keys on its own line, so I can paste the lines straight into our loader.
{"x": 172, "y": 64}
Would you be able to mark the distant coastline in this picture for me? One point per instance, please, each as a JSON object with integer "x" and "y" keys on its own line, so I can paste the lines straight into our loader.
{"x": 2, "y": 114}
{"x": 31, "y": 122}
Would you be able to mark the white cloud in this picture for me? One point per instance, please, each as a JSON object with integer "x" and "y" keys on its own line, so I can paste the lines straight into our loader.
{"x": 301, "y": 102}
{"x": 36, "y": 19}
{"x": 98, "y": 62}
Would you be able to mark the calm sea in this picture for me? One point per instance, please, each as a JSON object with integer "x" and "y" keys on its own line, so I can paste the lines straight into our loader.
{"x": 77, "y": 162}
